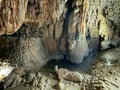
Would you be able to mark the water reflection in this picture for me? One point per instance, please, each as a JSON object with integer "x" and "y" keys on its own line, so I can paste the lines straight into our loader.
{"x": 85, "y": 66}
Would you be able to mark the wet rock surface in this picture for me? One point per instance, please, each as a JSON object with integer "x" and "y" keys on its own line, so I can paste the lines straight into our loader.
{"x": 101, "y": 77}
{"x": 109, "y": 57}
{"x": 105, "y": 72}
{"x": 69, "y": 29}
{"x": 73, "y": 30}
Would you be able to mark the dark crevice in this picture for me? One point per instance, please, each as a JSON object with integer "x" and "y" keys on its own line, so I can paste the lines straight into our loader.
{"x": 65, "y": 26}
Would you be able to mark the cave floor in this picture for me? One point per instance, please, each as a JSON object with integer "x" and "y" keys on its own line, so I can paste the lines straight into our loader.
{"x": 100, "y": 78}
{"x": 96, "y": 76}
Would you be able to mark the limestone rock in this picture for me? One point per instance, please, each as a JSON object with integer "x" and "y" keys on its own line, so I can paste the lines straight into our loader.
{"x": 54, "y": 29}
{"x": 109, "y": 57}
{"x": 67, "y": 86}
{"x": 105, "y": 78}
{"x": 30, "y": 77}
{"x": 43, "y": 83}
{"x": 79, "y": 52}
{"x": 20, "y": 87}
{"x": 15, "y": 77}
{"x": 34, "y": 82}
{"x": 68, "y": 75}
{"x": 17, "y": 81}
{"x": 12, "y": 15}
{"x": 65, "y": 29}
{"x": 39, "y": 75}
{"x": 61, "y": 86}
{"x": 41, "y": 12}
{"x": 32, "y": 56}
{"x": 5, "y": 70}
{"x": 34, "y": 88}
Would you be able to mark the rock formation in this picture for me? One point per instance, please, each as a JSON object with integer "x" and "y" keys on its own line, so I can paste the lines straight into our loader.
{"x": 12, "y": 15}
{"x": 43, "y": 30}
{"x": 33, "y": 32}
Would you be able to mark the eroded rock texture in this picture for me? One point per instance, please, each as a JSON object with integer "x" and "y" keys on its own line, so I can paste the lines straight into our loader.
{"x": 103, "y": 19}
{"x": 12, "y": 15}
{"x": 70, "y": 29}
{"x": 108, "y": 23}
{"x": 28, "y": 52}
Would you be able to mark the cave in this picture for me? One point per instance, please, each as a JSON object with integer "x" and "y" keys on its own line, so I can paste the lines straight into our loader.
{"x": 59, "y": 44}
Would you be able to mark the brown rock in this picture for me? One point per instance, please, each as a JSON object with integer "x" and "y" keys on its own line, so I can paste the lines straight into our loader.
{"x": 70, "y": 76}
{"x": 41, "y": 12}
{"x": 30, "y": 77}
{"x": 34, "y": 82}
{"x": 12, "y": 15}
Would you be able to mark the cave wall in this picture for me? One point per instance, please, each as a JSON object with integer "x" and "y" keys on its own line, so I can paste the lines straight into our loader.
{"x": 12, "y": 15}
{"x": 70, "y": 29}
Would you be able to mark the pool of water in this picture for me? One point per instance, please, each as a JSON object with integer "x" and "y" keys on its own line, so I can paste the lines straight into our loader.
{"x": 85, "y": 66}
